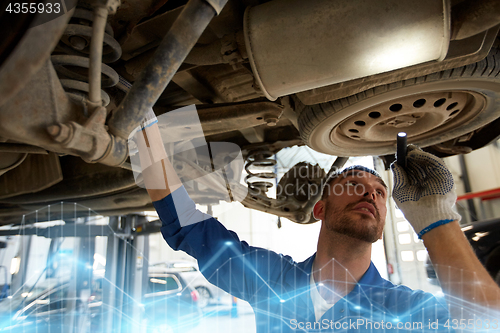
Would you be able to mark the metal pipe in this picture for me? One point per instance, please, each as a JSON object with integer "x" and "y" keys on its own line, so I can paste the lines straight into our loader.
{"x": 339, "y": 162}
{"x": 469, "y": 18}
{"x": 167, "y": 59}
{"x": 98, "y": 27}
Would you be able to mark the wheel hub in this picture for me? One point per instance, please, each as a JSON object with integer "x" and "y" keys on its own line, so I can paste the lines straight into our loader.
{"x": 400, "y": 122}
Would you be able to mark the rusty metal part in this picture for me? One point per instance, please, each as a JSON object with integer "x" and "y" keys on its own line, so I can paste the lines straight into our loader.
{"x": 96, "y": 46}
{"x": 306, "y": 54}
{"x": 110, "y": 5}
{"x": 128, "y": 15}
{"x": 111, "y": 48}
{"x": 460, "y": 53}
{"x": 86, "y": 17}
{"x": 64, "y": 65}
{"x": 41, "y": 103}
{"x": 223, "y": 51}
{"x": 172, "y": 51}
{"x": 147, "y": 35}
{"x": 91, "y": 140}
{"x": 25, "y": 119}
{"x": 79, "y": 91}
{"x": 196, "y": 87}
{"x": 30, "y": 55}
{"x": 37, "y": 172}
{"x": 218, "y": 84}
{"x": 471, "y": 17}
{"x": 116, "y": 154}
{"x": 20, "y": 148}
{"x": 230, "y": 83}
{"x": 260, "y": 159}
{"x": 227, "y": 118}
{"x": 297, "y": 193}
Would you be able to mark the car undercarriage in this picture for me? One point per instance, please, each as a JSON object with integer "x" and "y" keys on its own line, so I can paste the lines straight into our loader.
{"x": 342, "y": 77}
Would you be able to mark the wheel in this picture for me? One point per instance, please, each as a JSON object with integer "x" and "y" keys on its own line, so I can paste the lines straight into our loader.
{"x": 205, "y": 296}
{"x": 430, "y": 109}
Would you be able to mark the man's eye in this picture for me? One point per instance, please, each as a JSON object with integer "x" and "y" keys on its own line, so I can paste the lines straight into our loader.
{"x": 350, "y": 183}
{"x": 381, "y": 193}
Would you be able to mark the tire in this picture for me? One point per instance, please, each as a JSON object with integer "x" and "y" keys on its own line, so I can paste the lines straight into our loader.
{"x": 367, "y": 123}
{"x": 205, "y": 296}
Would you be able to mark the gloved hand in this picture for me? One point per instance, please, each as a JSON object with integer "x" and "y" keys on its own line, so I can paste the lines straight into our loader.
{"x": 424, "y": 192}
{"x": 146, "y": 142}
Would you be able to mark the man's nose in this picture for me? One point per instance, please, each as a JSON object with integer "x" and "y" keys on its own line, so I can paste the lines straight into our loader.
{"x": 370, "y": 192}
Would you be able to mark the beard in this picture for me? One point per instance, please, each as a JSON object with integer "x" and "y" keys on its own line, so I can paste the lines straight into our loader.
{"x": 362, "y": 228}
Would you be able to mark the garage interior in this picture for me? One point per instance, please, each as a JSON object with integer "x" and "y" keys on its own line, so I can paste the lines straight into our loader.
{"x": 122, "y": 249}
{"x": 80, "y": 242}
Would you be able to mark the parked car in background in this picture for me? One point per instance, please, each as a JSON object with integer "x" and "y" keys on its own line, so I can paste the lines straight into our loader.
{"x": 189, "y": 271}
{"x": 169, "y": 305}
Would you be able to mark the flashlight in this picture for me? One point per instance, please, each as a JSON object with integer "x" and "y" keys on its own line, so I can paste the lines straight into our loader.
{"x": 401, "y": 149}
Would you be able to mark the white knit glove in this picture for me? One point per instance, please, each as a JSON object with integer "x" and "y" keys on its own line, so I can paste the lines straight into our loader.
{"x": 424, "y": 192}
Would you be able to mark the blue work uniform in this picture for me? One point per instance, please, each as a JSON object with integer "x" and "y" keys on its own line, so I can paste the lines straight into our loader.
{"x": 278, "y": 288}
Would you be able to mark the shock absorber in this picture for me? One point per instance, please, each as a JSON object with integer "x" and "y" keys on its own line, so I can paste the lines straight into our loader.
{"x": 260, "y": 159}
{"x": 73, "y": 66}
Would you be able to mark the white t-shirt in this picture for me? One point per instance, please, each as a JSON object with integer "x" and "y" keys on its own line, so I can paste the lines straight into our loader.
{"x": 319, "y": 303}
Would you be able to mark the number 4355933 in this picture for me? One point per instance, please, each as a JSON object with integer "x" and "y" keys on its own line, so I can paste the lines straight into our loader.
{"x": 472, "y": 324}
{"x": 33, "y": 8}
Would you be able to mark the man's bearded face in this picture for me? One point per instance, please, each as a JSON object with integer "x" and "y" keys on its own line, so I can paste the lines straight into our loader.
{"x": 356, "y": 206}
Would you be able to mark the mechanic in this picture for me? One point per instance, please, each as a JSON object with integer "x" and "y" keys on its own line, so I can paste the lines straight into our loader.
{"x": 337, "y": 288}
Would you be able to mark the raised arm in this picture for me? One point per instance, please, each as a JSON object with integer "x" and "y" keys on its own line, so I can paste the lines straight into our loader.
{"x": 460, "y": 272}
{"x": 231, "y": 264}
{"x": 424, "y": 191}
{"x": 160, "y": 179}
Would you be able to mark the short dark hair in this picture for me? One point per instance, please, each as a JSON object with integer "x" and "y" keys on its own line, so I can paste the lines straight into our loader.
{"x": 336, "y": 173}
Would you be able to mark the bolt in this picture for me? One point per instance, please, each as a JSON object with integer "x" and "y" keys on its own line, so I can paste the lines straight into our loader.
{"x": 271, "y": 121}
{"x": 59, "y": 132}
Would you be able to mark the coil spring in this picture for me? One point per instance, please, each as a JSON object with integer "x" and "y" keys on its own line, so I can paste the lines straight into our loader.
{"x": 260, "y": 159}
{"x": 73, "y": 66}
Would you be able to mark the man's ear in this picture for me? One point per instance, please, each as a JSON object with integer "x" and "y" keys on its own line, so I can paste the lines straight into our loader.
{"x": 319, "y": 210}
